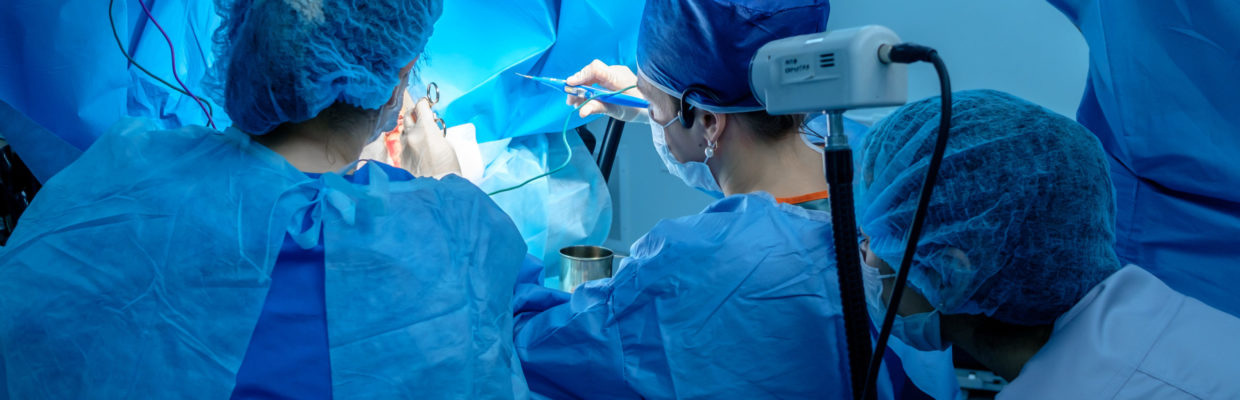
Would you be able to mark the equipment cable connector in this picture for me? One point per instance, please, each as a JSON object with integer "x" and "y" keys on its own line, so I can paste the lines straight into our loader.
{"x": 905, "y": 53}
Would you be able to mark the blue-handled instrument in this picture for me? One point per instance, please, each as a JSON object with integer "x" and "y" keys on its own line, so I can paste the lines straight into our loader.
{"x": 586, "y": 92}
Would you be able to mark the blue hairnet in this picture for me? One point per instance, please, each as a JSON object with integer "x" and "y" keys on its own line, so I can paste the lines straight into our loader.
{"x": 285, "y": 61}
{"x": 710, "y": 42}
{"x": 1021, "y": 224}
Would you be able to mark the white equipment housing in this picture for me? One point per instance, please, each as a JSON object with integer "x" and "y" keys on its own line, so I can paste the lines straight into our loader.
{"x": 829, "y": 71}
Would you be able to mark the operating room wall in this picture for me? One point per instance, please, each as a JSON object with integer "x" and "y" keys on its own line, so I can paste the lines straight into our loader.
{"x": 1024, "y": 47}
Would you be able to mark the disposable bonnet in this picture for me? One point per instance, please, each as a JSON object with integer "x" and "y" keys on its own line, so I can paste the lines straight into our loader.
{"x": 710, "y": 43}
{"x": 1021, "y": 224}
{"x": 285, "y": 61}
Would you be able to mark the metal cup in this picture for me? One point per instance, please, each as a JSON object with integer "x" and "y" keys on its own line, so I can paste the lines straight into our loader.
{"x": 579, "y": 264}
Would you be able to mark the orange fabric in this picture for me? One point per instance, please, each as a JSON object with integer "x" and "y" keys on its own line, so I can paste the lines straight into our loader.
{"x": 803, "y": 198}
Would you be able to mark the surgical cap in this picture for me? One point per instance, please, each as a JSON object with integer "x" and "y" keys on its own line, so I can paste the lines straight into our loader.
{"x": 287, "y": 60}
{"x": 1021, "y": 224}
{"x": 682, "y": 43}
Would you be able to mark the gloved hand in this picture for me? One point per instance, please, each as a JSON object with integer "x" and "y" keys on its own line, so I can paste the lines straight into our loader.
{"x": 426, "y": 152}
{"x": 610, "y": 77}
{"x": 378, "y": 151}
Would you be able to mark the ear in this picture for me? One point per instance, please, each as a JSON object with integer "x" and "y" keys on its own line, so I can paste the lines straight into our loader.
{"x": 959, "y": 257}
{"x": 714, "y": 124}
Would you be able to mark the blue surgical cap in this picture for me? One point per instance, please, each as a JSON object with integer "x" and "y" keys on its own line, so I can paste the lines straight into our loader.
{"x": 682, "y": 43}
{"x": 287, "y": 60}
{"x": 1021, "y": 224}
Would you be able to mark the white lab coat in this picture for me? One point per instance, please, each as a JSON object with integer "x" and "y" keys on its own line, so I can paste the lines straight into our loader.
{"x": 1133, "y": 337}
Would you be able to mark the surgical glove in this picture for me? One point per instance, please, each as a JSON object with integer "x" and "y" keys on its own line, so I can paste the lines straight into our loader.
{"x": 426, "y": 152}
{"x": 377, "y": 150}
{"x": 610, "y": 77}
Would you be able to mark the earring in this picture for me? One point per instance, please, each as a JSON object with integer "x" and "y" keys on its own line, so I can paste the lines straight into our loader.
{"x": 710, "y": 149}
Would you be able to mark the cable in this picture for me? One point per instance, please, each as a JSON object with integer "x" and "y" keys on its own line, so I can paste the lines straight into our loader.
{"x": 908, "y": 53}
{"x": 172, "y": 51}
{"x": 124, "y": 52}
{"x": 564, "y": 136}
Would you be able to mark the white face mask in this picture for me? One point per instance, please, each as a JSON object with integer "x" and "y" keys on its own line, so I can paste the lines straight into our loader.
{"x": 695, "y": 174}
{"x": 920, "y": 331}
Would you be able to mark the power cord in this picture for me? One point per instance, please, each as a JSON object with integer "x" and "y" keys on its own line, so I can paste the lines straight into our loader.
{"x": 907, "y": 54}
{"x": 206, "y": 107}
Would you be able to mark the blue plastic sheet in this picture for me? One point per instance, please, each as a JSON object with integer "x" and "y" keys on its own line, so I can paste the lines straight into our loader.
{"x": 43, "y": 152}
{"x": 64, "y": 70}
{"x": 570, "y": 207}
{"x": 480, "y": 46}
{"x": 474, "y": 56}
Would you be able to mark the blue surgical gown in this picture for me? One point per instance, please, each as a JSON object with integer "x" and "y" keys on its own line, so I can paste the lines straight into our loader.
{"x": 1164, "y": 98}
{"x": 289, "y": 356}
{"x": 140, "y": 271}
{"x": 1133, "y": 337}
{"x": 739, "y": 302}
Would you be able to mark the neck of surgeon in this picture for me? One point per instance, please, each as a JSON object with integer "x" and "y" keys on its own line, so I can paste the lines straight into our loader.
{"x": 328, "y": 142}
{"x": 785, "y": 167}
{"x": 1002, "y": 347}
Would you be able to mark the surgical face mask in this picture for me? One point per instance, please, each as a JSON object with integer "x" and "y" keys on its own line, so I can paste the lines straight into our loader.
{"x": 920, "y": 331}
{"x": 387, "y": 118}
{"x": 813, "y": 142}
{"x": 695, "y": 174}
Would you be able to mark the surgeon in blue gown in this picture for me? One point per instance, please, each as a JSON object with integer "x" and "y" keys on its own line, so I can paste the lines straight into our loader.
{"x": 256, "y": 262}
{"x": 1016, "y": 263}
{"x": 741, "y": 300}
{"x": 1163, "y": 97}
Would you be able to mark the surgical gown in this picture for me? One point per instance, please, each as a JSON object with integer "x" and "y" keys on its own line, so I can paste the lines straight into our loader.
{"x": 1164, "y": 98}
{"x": 737, "y": 302}
{"x": 140, "y": 271}
{"x": 1133, "y": 337}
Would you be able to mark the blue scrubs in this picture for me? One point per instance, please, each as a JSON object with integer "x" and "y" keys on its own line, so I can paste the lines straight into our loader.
{"x": 1163, "y": 98}
{"x": 288, "y": 354}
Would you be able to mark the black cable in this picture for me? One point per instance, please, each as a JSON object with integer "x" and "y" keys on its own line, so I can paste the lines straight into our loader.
{"x": 587, "y": 138}
{"x": 910, "y": 53}
{"x": 117, "y": 36}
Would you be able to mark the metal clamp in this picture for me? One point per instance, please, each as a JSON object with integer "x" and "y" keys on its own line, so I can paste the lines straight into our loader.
{"x": 432, "y": 96}
{"x": 432, "y": 93}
